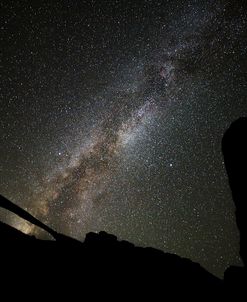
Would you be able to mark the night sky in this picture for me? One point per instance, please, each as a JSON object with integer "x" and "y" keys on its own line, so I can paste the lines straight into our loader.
{"x": 112, "y": 115}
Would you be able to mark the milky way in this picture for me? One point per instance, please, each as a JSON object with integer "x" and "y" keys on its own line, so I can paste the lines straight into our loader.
{"x": 112, "y": 115}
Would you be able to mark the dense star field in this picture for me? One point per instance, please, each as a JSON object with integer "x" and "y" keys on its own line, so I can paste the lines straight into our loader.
{"x": 112, "y": 115}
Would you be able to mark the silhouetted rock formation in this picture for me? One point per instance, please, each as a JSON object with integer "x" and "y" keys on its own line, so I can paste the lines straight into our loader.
{"x": 117, "y": 263}
{"x": 8, "y": 205}
{"x": 234, "y": 147}
{"x": 102, "y": 264}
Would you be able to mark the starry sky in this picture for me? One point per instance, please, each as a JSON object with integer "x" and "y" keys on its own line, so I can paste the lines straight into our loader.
{"x": 112, "y": 115}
